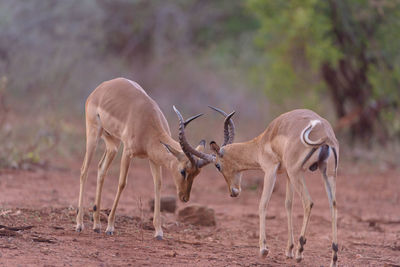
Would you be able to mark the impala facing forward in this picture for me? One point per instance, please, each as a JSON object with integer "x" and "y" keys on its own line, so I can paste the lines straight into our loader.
{"x": 293, "y": 143}
{"x": 120, "y": 110}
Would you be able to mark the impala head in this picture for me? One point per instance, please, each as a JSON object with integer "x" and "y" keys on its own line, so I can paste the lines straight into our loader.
{"x": 224, "y": 162}
{"x": 188, "y": 162}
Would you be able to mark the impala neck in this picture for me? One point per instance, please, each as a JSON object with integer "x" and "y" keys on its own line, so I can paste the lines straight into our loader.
{"x": 159, "y": 154}
{"x": 245, "y": 155}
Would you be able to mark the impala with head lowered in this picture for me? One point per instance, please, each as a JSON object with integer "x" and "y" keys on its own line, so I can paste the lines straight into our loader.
{"x": 118, "y": 111}
{"x": 293, "y": 143}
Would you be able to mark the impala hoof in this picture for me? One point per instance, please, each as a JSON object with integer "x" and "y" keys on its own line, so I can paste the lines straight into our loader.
{"x": 264, "y": 252}
{"x": 79, "y": 228}
{"x": 299, "y": 257}
{"x": 97, "y": 230}
{"x": 289, "y": 251}
{"x": 159, "y": 237}
{"x": 289, "y": 255}
{"x": 109, "y": 232}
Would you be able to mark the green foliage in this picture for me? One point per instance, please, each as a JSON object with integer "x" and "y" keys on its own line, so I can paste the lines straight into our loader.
{"x": 19, "y": 147}
{"x": 294, "y": 37}
{"x": 229, "y": 20}
{"x": 289, "y": 25}
{"x": 301, "y": 37}
{"x": 298, "y": 34}
{"x": 19, "y": 150}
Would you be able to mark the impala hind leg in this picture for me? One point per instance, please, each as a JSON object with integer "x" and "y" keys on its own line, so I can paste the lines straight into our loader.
{"x": 125, "y": 161}
{"x": 329, "y": 174}
{"x": 104, "y": 164}
{"x": 156, "y": 173}
{"x": 297, "y": 180}
{"x": 269, "y": 182}
{"x": 289, "y": 208}
{"x": 93, "y": 133}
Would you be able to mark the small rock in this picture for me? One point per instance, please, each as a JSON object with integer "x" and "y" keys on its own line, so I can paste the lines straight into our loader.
{"x": 197, "y": 215}
{"x": 167, "y": 203}
{"x": 172, "y": 254}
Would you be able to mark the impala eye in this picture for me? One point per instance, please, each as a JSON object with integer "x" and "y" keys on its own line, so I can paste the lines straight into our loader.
{"x": 218, "y": 166}
{"x": 183, "y": 172}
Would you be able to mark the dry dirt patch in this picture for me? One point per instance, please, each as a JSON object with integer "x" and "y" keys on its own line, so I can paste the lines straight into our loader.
{"x": 37, "y": 217}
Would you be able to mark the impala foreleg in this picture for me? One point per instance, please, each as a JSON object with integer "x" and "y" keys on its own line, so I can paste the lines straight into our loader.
{"x": 269, "y": 182}
{"x": 104, "y": 165}
{"x": 92, "y": 137}
{"x": 125, "y": 161}
{"x": 156, "y": 173}
{"x": 289, "y": 207}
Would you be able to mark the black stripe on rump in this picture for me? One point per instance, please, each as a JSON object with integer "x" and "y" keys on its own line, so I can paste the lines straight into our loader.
{"x": 334, "y": 153}
{"x": 309, "y": 156}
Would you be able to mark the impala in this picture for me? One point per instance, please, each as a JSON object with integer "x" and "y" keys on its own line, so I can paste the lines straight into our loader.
{"x": 118, "y": 111}
{"x": 293, "y": 143}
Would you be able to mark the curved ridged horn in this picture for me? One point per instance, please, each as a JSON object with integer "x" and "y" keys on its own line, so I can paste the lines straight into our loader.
{"x": 186, "y": 148}
{"x": 229, "y": 126}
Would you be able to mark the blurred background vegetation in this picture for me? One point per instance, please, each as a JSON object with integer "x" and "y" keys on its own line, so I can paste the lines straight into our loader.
{"x": 259, "y": 57}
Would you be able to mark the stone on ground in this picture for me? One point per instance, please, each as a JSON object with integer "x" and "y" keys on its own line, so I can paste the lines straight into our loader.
{"x": 197, "y": 215}
{"x": 167, "y": 203}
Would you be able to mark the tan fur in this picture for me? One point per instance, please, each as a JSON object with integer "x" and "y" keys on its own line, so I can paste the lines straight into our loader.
{"x": 120, "y": 110}
{"x": 280, "y": 149}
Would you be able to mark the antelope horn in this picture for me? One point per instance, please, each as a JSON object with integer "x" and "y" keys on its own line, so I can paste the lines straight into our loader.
{"x": 191, "y": 118}
{"x": 229, "y": 126}
{"x": 186, "y": 148}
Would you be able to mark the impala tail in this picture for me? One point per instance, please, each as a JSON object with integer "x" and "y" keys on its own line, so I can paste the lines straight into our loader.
{"x": 305, "y": 134}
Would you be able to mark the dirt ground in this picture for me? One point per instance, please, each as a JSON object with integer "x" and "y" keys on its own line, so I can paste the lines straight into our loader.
{"x": 46, "y": 200}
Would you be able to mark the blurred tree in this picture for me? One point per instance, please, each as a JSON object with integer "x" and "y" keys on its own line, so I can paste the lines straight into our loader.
{"x": 153, "y": 28}
{"x": 192, "y": 50}
{"x": 349, "y": 48}
{"x": 3, "y": 107}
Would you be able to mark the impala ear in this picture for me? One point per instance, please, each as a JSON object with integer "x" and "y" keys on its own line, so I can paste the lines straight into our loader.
{"x": 214, "y": 147}
{"x": 201, "y": 146}
{"x": 179, "y": 155}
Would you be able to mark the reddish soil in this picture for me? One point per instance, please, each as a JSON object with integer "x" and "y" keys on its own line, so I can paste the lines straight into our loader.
{"x": 368, "y": 203}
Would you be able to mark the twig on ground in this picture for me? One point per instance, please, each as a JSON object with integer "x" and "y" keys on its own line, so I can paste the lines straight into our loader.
{"x": 17, "y": 228}
{"x": 43, "y": 239}
{"x": 140, "y": 205}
